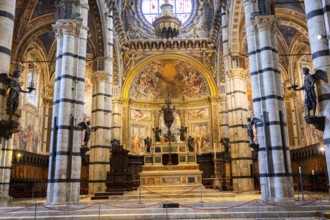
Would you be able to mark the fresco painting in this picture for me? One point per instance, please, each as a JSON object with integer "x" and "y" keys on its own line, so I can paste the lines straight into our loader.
{"x": 171, "y": 78}
{"x": 200, "y": 133}
{"x": 138, "y": 134}
{"x": 200, "y": 113}
{"x": 140, "y": 115}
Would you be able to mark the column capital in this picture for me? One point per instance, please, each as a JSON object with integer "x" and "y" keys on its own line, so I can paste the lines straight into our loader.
{"x": 237, "y": 73}
{"x": 264, "y": 23}
{"x": 100, "y": 76}
{"x": 68, "y": 27}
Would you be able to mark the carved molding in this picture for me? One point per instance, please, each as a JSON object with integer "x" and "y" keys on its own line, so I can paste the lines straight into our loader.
{"x": 169, "y": 45}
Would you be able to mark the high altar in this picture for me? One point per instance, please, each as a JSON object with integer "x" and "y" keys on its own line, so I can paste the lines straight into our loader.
{"x": 183, "y": 171}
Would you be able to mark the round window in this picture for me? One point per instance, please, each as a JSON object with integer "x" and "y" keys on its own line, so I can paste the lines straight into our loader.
{"x": 182, "y": 9}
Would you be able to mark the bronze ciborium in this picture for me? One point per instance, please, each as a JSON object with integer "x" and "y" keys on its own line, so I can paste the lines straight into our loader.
{"x": 168, "y": 111}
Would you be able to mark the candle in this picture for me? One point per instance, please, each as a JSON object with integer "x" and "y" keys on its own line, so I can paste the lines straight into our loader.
{"x": 214, "y": 149}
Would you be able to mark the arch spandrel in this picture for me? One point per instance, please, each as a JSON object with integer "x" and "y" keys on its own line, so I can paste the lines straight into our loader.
{"x": 169, "y": 60}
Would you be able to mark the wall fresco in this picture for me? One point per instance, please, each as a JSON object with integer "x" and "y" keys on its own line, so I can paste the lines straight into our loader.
{"x": 169, "y": 77}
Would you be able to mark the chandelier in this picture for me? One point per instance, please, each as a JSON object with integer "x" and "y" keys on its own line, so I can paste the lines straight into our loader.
{"x": 167, "y": 25}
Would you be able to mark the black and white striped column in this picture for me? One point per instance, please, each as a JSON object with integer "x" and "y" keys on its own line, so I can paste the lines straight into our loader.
{"x": 318, "y": 21}
{"x": 274, "y": 157}
{"x": 7, "y": 16}
{"x": 102, "y": 113}
{"x": 68, "y": 105}
{"x": 237, "y": 103}
{"x": 6, "y": 154}
{"x": 101, "y": 123}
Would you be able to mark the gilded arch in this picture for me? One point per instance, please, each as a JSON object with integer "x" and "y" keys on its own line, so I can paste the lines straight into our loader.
{"x": 165, "y": 56}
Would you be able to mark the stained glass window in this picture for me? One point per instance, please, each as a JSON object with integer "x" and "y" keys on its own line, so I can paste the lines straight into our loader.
{"x": 181, "y": 8}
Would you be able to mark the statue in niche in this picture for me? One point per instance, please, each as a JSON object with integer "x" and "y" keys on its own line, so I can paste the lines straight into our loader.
{"x": 182, "y": 130}
{"x": 191, "y": 146}
{"x": 157, "y": 132}
{"x": 309, "y": 87}
{"x": 14, "y": 91}
{"x": 148, "y": 142}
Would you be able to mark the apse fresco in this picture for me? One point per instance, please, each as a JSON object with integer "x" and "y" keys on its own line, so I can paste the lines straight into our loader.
{"x": 172, "y": 78}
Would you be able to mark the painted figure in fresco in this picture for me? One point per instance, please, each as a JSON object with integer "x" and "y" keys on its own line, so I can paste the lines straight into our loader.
{"x": 191, "y": 146}
{"x": 14, "y": 91}
{"x": 157, "y": 132}
{"x": 182, "y": 130}
{"x": 137, "y": 143}
{"x": 148, "y": 142}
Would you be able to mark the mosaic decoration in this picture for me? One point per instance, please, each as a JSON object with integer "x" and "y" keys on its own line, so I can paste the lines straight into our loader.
{"x": 171, "y": 78}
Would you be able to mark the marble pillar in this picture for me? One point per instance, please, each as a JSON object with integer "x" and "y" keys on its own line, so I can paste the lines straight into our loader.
{"x": 7, "y": 15}
{"x": 268, "y": 104}
{"x": 68, "y": 103}
{"x": 101, "y": 126}
{"x": 318, "y": 21}
{"x": 241, "y": 158}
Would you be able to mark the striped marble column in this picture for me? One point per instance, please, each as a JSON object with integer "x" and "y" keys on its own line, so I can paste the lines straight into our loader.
{"x": 226, "y": 54}
{"x": 318, "y": 21}
{"x": 274, "y": 157}
{"x": 101, "y": 124}
{"x": 6, "y": 155}
{"x": 237, "y": 103}
{"x": 7, "y": 15}
{"x": 102, "y": 113}
{"x": 68, "y": 105}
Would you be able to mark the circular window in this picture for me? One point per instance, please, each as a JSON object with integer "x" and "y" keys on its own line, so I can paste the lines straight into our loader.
{"x": 182, "y": 9}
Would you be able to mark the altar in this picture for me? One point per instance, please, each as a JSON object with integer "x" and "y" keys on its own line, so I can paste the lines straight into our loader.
{"x": 183, "y": 169}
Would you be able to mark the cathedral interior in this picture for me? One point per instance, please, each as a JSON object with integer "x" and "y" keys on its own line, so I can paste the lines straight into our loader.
{"x": 99, "y": 76}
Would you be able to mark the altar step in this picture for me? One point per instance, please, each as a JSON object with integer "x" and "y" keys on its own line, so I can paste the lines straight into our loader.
{"x": 160, "y": 193}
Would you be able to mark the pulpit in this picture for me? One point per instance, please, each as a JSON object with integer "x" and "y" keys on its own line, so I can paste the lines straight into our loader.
{"x": 119, "y": 177}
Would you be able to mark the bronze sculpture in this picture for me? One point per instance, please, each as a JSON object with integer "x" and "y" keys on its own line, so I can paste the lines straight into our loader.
{"x": 309, "y": 87}
{"x": 182, "y": 130}
{"x": 191, "y": 146}
{"x": 157, "y": 132}
{"x": 148, "y": 142}
{"x": 14, "y": 91}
